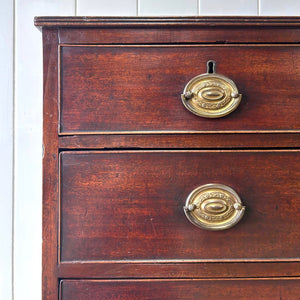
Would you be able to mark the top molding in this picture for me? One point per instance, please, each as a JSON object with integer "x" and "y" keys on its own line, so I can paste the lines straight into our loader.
{"x": 166, "y": 21}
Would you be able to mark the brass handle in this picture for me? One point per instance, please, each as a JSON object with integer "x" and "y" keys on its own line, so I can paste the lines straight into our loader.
{"x": 211, "y": 95}
{"x": 214, "y": 207}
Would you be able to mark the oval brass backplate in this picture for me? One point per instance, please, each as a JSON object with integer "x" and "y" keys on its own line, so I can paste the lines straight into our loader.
{"x": 214, "y": 207}
{"x": 211, "y": 95}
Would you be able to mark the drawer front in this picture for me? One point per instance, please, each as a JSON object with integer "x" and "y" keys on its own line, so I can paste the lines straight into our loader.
{"x": 108, "y": 89}
{"x": 128, "y": 205}
{"x": 181, "y": 289}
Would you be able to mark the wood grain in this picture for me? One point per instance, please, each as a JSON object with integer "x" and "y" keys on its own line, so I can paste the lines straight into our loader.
{"x": 121, "y": 89}
{"x": 190, "y": 21}
{"x": 270, "y": 289}
{"x": 180, "y": 141}
{"x": 114, "y": 84}
{"x": 181, "y": 35}
{"x": 129, "y": 205}
{"x": 179, "y": 269}
{"x": 50, "y": 166}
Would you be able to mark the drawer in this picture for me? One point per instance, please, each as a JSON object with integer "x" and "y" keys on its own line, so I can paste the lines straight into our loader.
{"x": 123, "y": 88}
{"x": 263, "y": 289}
{"x": 128, "y": 205}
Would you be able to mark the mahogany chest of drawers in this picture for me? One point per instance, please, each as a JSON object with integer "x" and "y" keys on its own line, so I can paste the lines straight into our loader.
{"x": 171, "y": 158}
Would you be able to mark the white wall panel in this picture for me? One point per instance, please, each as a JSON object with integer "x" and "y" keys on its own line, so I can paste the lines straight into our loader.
{"x": 6, "y": 147}
{"x": 106, "y": 7}
{"x": 28, "y": 144}
{"x": 229, "y": 7}
{"x": 280, "y": 7}
{"x": 168, "y": 7}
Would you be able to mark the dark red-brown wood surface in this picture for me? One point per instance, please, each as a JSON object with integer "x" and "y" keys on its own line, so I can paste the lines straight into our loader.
{"x": 165, "y": 22}
{"x": 180, "y": 141}
{"x": 134, "y": 88}
{"x": 181, "y": 289}
{"x": 129, "y": 205}
{"x": 180, "y": 269}
{"x": 120, "y": 215}
{"x": 50, "y": 165}
{"x": 106, "y": 30}
{"x": 182, "y": 35}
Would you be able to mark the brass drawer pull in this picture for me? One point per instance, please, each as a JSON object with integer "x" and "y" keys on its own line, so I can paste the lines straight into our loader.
{"x": 214, "y": 207}
{"x": 211, "y": 95}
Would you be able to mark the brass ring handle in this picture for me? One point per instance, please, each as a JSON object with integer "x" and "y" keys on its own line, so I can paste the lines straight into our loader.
{"x": 214, "y": 207}
{"x": 211, "y": 95}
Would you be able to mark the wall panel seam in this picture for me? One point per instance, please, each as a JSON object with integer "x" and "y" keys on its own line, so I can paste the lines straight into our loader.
{"x": 13, "y": 153}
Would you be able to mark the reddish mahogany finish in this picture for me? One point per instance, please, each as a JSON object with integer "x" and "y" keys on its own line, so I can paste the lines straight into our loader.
{"x": 179, "y": 269}
{"x": 181, "y": 141}
{"x": 112, "y": 85}
{"x": 281, "y": 289}
{"x": 138, "y": 88}
{"x": 165, "y": 30}
{"x": 129, "y": 205}
{"x": 50, "y": 165}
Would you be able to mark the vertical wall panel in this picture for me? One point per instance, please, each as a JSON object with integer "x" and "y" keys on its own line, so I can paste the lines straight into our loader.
{"x": 168, "y": 7}
{"x": 6, "y": 147}
{"x": 229, "y": 7}
{"x": 106, "y": 7}
{"x": 28, "y": 144}
{"x": 279, "y": 7}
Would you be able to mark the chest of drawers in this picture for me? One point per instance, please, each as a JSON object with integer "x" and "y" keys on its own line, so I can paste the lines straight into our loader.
{"x": 171, "y": 158}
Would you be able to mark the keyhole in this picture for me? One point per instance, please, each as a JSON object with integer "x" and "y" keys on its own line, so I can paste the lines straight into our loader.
{"x": 211, "y": 66}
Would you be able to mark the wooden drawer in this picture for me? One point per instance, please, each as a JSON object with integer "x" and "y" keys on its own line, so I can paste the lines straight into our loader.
{"x": 129, "y": 205}
{"x": 258, "y": 289}
{"x": 137, "y": 88}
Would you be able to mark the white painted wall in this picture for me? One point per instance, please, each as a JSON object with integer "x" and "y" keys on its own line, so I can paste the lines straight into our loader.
{"x": 28, "y": 143}
{"x": 6, "y": 147}
{"x": 21, "y": 116}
